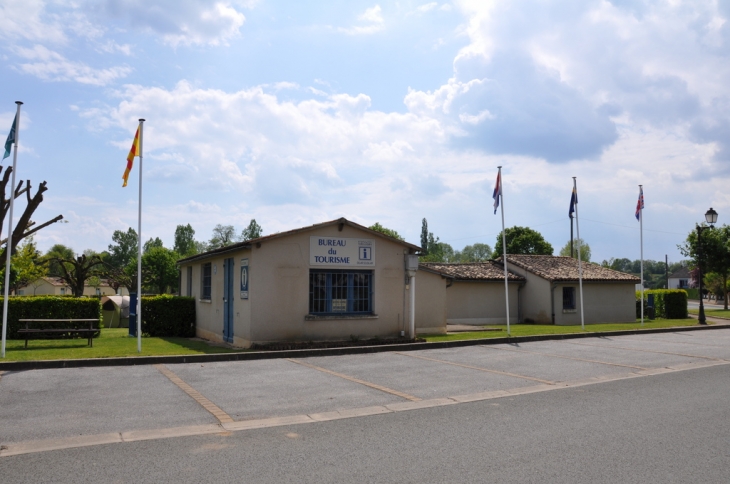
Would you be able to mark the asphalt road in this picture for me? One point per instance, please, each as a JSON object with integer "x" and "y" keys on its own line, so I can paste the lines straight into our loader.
{"x": 649, "y": 408}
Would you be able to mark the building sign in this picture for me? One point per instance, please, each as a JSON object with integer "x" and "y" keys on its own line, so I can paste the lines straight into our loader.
{"x": 244, "y": 278}
{"x": 337, "y": 251}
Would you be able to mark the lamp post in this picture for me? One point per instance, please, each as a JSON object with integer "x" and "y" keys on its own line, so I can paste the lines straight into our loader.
{"x": 711, "y": 218}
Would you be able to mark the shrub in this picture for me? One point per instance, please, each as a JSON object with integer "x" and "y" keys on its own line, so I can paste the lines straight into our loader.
{"x": 167, "y": 315}
{"x": 668, "y": 303}
{"x": 50, "y": 307}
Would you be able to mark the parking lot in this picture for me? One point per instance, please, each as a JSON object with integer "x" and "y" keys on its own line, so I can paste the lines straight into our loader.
{"x": 61, "y": 408}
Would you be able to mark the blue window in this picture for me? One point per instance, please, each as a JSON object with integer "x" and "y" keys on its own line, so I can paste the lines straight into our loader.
{"x": 340, "y": 292}
{"x": 568, "y": 298}
{"x": 205, "y": 282}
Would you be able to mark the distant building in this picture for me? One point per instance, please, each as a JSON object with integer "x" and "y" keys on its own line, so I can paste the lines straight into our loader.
{"x": 55, "y": 286}
{"x": 680, "y": 279}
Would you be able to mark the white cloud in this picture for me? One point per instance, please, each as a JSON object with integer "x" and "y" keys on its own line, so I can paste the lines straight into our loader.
{"x": 29, "y": 20}
{"x": 177, "y": 22}
{"x": 52, "y": 66}
{"x": 369, "y": 22}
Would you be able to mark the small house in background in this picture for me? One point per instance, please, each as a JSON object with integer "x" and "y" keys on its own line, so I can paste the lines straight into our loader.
{"x": 54, "y": 286}
{"x": 551, "y": 292}
{"x": 473, "y": 293}
{"x": 680, "y": 279}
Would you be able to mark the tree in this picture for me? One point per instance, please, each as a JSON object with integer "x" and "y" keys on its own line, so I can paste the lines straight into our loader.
{"x": 386, "y": 231}
{"x": 424, "y": 236}
{"x": 156, "y": 242}
{"x": 474, "y": 253}
{"x": 523, "y": 241}
{"x": 24, "y": 227}
{"x": 585, "y": 250}
{"x": 159, "y": 269}
{"x": 124, "y": 247}
{"x": 715, "y": 250}
{"x": 253, "y": 231}
{"x": 185, "y": 241}
{"x": 76, "y": 271}
{"x": 28, "y": 265}
{"x": 57, "y": 251}
{"x": 223, "y": 235}
{"x": 437, "y": 251}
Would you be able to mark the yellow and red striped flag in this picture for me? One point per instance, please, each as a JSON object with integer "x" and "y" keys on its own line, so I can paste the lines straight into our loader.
{"x": 134, "y": 151}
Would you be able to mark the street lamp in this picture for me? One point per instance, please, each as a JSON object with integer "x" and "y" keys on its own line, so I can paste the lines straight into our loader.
{"x": 711, "y": 218}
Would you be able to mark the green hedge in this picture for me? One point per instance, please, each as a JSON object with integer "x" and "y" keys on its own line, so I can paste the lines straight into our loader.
{"x": 167, "y": 315}
{"x": 50, "y": 307}
{"x": 668, "y": 303}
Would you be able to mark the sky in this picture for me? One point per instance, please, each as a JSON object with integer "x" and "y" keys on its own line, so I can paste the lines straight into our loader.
{"x": 296, "y": 113}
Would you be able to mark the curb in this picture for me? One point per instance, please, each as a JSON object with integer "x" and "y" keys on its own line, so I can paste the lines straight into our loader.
{"x": 352, "y": 350}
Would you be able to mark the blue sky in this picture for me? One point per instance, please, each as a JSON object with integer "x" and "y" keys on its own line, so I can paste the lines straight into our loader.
{"x": 294, "y": 113}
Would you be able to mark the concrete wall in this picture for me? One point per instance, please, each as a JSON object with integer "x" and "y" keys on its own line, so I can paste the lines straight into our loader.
{"x": 603, "y": 303}
{"x": 480, "y": 303}
{"x": 430, "y": 303}
{"x": 278, "y": 304}
{"x": 535, "y": 296}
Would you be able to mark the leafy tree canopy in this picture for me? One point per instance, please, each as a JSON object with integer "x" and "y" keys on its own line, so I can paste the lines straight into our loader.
{"x": 585, "y": 250}
{"x": 223, "y": 235}
{"x": 123, "y": 248}
{"x": 185, "y": 244}
{"x": 159, "y": 269}
{"x": 57, "y": 251}
{"x": 384, "y": 230}
{"x": 27, "y": 265}
{"x": 522, "y": 241}
{"x": 152, "y": 243}
{"x": 253, "y": 231}
{"x": 715, "y": 252}
{"x": 473, "y": 253}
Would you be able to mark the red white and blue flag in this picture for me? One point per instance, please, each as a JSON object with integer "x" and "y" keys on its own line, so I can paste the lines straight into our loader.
{"x": 573, "y": 202}
{"x": 640, "y": 203}
{"x": 497, "y": 191}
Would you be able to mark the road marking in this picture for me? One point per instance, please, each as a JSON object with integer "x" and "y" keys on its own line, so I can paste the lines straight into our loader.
{"x": 678, "y": 342}
{"x": 478, "y": 368}
{"x": 211, "y": 407}
{"x": 356, "y": 380}
{"x": 565, "y": 357}
{"x": 35, "y": 446}
{"x": 711, "y": 358}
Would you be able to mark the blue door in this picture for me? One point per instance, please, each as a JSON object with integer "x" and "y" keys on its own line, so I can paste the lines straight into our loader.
{"x": 228, "y": 300}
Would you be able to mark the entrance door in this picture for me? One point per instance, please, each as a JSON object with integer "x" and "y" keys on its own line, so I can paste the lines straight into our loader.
{"x": 228, "y": 300}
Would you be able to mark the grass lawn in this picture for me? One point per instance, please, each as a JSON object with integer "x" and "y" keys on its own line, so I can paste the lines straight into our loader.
{"x": 714, "y": 313}
{"x": 539, "y": 329}
{"x": 113, "y": 342}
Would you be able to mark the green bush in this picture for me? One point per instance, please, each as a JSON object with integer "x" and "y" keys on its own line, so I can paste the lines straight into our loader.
{"x": 167, "y": 315}
{"x": 693, "y": 293}
{"x": 668, "y": 303}
{"x": 50, "y": 307}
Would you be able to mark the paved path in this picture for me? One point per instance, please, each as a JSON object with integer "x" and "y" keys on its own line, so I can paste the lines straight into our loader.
{"x": 43, "y": 410}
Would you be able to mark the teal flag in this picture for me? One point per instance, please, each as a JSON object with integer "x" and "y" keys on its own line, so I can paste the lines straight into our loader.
{"x": 11, "y": 138}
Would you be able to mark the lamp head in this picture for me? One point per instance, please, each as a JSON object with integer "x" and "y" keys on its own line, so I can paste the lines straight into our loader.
{"x": 711, "y": 216}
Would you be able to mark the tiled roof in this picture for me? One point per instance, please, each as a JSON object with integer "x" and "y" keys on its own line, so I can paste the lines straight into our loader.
{"x": 556, "y": 268}
{"x": 471, "y": 271}
{"x": 682, "y": 273}
{"x": 248, "y": 243}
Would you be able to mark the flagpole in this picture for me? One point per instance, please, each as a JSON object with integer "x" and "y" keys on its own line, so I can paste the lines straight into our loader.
{"x": 580, "y": 266}
{"x": 139, "y": 244}
{"x": 10, "y": 229}
{"x": 641, "y": 239}
{"x": 504, "y": 249}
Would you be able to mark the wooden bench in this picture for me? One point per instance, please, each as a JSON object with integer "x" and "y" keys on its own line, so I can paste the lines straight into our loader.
{"x": 27, "y": 331}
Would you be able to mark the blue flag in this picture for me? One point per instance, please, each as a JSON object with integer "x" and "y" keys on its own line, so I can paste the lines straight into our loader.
{"x": 11, "y": 138}
{"x": 573, "y": 201}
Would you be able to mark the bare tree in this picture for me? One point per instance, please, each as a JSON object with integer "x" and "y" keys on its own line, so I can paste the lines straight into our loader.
{"x": 24, "y": 227}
